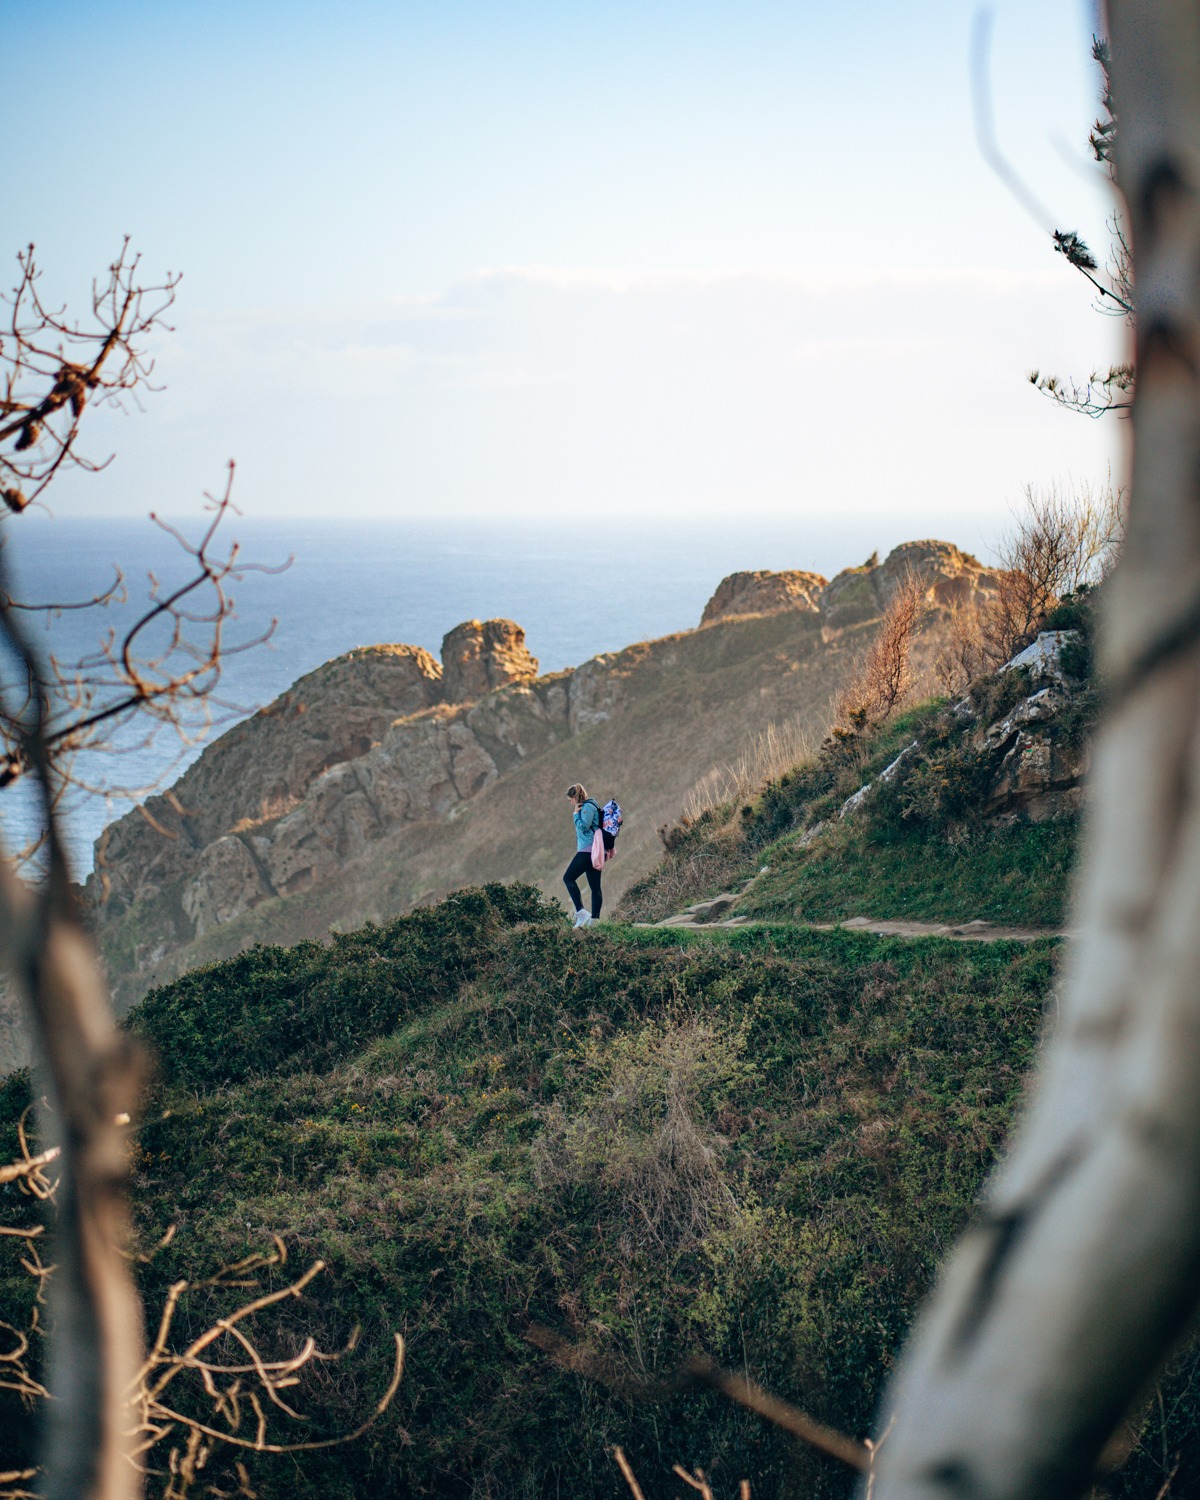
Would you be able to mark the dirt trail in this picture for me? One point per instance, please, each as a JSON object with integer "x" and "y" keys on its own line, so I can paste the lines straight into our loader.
{"x": 962, "y": 932}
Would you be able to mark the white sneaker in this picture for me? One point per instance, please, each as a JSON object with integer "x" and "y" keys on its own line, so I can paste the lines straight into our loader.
{"x": 581, "y": 918}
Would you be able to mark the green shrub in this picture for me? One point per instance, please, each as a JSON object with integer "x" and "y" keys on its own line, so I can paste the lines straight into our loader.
{"x": 1077, "y": 612}
{"x": 271, "y": 1010}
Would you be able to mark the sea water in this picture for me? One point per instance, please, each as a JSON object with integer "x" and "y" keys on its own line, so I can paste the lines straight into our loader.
{"x": 579, "y": 588}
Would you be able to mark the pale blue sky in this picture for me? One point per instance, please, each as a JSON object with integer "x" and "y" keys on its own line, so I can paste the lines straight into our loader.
{"x": 668, "y": 258}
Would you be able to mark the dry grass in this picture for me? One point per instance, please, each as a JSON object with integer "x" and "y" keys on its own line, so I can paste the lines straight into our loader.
{"x": 764, "y": 757}
{"x": 643, "y": 1140}
{"x": 707, "y": 867}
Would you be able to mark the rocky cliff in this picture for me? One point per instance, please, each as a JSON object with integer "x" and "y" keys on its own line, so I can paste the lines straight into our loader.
{"x": 385, "y": 778}
{"x": 227, "y": 829}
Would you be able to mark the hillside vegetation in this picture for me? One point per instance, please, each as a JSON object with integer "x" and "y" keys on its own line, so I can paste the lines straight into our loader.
{"x": 951, "y": 811}
{"x": 756, "y": 1144}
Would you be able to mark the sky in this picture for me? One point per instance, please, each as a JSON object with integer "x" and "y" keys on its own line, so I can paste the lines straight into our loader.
{"x": 642, "y": 261}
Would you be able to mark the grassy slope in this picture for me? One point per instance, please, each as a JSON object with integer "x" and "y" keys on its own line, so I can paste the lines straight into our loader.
{"x": 756, "y": 1144}
{"x": 1017, "y": 875}
{"x": 876, "y": 863}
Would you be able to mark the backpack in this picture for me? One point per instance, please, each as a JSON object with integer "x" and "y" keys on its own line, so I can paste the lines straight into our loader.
{"x": 610, "y": 821}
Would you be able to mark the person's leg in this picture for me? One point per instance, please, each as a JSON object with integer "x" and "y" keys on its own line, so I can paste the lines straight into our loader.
{"x": 581, "y": 862}
{"x": 593, "y": 878}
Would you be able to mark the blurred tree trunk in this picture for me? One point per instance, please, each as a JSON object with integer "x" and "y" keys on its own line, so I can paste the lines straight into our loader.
{"x": 1083, "y": 1264}
{"x": 93, "y": 1074}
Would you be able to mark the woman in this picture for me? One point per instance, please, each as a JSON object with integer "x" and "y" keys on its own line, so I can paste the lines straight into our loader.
{"x": 587, "y": 820}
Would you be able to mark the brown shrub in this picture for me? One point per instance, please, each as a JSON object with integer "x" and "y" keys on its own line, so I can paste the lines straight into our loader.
{"x": 963, "y": 656}
{"x": 885, "y": 677}
{"x": 1061, "y": 539}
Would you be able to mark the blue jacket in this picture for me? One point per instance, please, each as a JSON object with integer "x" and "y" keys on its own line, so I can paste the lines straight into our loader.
{"x": 587, "y": 820}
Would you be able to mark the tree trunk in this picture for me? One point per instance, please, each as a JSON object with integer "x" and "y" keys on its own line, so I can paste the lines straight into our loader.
{"x": 93, "y": 1072}
{"x": 1083, "y": 1263}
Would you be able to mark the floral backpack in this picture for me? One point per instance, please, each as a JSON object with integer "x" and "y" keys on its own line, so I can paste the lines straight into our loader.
{"x": 606, "y": 833}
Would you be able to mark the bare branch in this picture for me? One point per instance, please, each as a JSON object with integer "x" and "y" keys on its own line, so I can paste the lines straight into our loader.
{"x": 745, "y": 1392}
{"x": 702, "y": 1372}
{"x": 54, "y": 368}
{"x": 95, "y": 1074}
{"x": 884, "y": 677}
{"x": 635, "y": 1488}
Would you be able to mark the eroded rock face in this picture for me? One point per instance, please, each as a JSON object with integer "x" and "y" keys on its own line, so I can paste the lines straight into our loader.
{"x": 299, "y": 791}
{"x": 851, "y": 597}
{"x": 227, "y": 882}
{"x": 481, "y": 655}
{"x": 1040, "y": 777}
{"x": 951, "y": 577}
{"x": 263, "y": 767}
{"x": 383, "y": 740}
{"x": 595, "y": 694}
{"x": 763, "y": 593}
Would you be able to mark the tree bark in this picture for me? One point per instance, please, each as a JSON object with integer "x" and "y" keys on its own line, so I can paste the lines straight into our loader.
{"x": 1083, "y": 1263}
{"x": 93, "y": 1073}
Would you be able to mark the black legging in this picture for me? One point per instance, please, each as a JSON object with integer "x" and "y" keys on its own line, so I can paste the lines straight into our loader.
{"x": 582, "y": 865}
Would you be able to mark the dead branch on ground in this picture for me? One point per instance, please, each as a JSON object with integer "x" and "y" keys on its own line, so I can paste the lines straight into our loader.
{"x": 223, "y": 1368}
{"x": 698, "y": 1373}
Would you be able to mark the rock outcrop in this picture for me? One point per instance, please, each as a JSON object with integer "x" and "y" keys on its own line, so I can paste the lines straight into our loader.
{"x": 479, "y": 656}
{"x": 1041, "y": 768}
{"x": 1033, "y": 764}
{"x": 762, "y": 593}
{"x": 951, "y": 578}
{"x": 309, "y": 750}
{"x": 263, "y": 767}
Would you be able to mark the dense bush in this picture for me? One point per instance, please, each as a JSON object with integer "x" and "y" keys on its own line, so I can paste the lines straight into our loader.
{"x": 276, "y": 1010}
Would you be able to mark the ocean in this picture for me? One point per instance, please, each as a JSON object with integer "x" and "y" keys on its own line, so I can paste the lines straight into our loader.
{"x": 577, "y": 588}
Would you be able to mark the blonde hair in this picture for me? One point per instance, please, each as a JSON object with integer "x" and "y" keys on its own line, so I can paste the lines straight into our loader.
{"x": 577, "y": 793}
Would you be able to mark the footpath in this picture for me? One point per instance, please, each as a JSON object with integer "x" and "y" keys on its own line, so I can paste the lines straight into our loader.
{"x": 705, "y": 916}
